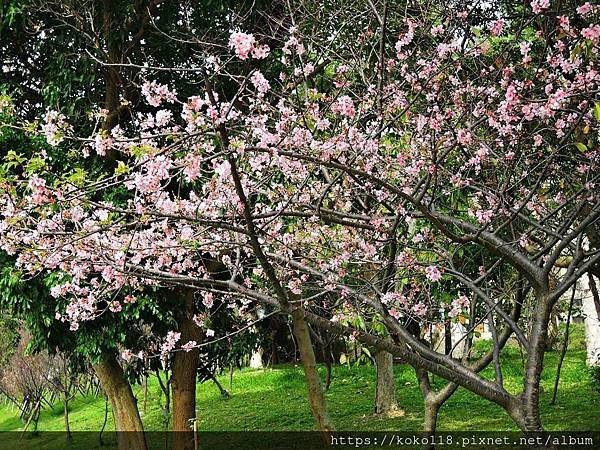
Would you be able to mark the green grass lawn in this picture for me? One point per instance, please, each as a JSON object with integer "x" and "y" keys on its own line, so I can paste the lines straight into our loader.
{"x": 274, "y": 399}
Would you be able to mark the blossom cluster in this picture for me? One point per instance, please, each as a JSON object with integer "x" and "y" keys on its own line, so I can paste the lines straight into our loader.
{"x": 245, "y": 46}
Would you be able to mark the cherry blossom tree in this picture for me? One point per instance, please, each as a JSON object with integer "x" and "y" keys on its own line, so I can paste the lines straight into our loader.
{"x": 432, "y": 150}
{"x": 38, "y": 40}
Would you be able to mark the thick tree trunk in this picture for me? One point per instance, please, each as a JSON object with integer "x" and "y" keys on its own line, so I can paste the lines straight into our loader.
{"x": 313, "y": 382}
{"x": 385, "y": 389}
{"x": 432, "y": 402}
{"x": 432, "y": 408}
{"x": 531, "y": 421}
{"x": 130, "y": 431}
{"x": 185, "y": 366}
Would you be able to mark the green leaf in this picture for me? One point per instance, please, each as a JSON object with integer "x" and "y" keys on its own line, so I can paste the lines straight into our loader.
{"x": 35, "y": 165}
{"x": 13, "y": 156}
{"x": 343, "y": 358}
{"x": 78, "y": 177}
{"x": 597, "y": 111}
{"x": 121, "y": 168}
{"x": 141, "y": 150}
{"x": 581, "y": 147}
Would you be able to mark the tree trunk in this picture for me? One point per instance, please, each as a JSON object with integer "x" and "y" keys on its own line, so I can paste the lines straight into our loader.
{"x": 100, "y": 440}
{"x": 432, "y": 402}
{"x": 313, "y": 382}
{"x": 531, "y": 421}
{"x": 222, "y": 390}
{"x": 256, "y": 359}
{"x": 385, "y": 390}
{"x": 432, "y": 408}
{"x": 130, "y": 431}
{"x": 328, "y": 368}
{"x": 591, "y": 312}
{"x": 185, "y": 366}
{"x": 324, "y": 344}
{"x": 66, "y": 416}
{"x": 564, "y": 349}
{"x": 145, "y": 394}
{"x": 447, "y": 337}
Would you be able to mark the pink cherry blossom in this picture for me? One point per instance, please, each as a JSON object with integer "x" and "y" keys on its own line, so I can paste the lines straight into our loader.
{"x": 192, "y": 166}
{"x": 395, "y": 314}
{"x": 40, "y": 194}
{"x": 344, "y": 106}
{"x": 584, "y": 9}
{"x": 260, "y": 82}
{"x": 242, "y": 43}
{"x": 436, "y": 30}
{"x": 208, "y": 299}
{"x": 420, "y": 309}
{"x": 127, "y": 355}
{"x": 308, "y": 69}
{"x": 464, "y": 137}
{"x": 497, "y": 27}
{"x": 170, "y": 341}
{"x": 261, "y": 51}
{"x": 156, "y": 93}
{"x": 540, "y": 5}
{"x": 592, "y": 33}
{"x": 54, "y": 127}
{"x": 293, "y": 44}
{"x": 433, "y": 273}
{"x": 102, "y": 142}
{"x": 406, "y": 38}
{"x": 189, "y": 346}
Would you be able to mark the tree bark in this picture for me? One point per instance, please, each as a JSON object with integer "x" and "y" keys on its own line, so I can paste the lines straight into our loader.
{"x": 531, "y": 421}
{"x": 564, "y": 348}
{"x": 432, "y": 409}
{"x": 316, "y": 396}
{"x": 100, "y": 440}
{"x": 130, "y": 431}
{"x": 595, "y": 295}
{"x": 185, "y": 366}
{"x": 385, "y": 389}
{"x": 447, "y": 337}
{"x": 66, "y": 416}
{"x": 432, "y": 402}
{"x": 591, "y": 312}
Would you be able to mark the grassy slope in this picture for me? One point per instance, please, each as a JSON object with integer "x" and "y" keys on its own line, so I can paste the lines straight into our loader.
{"x": 275, "y": 399}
